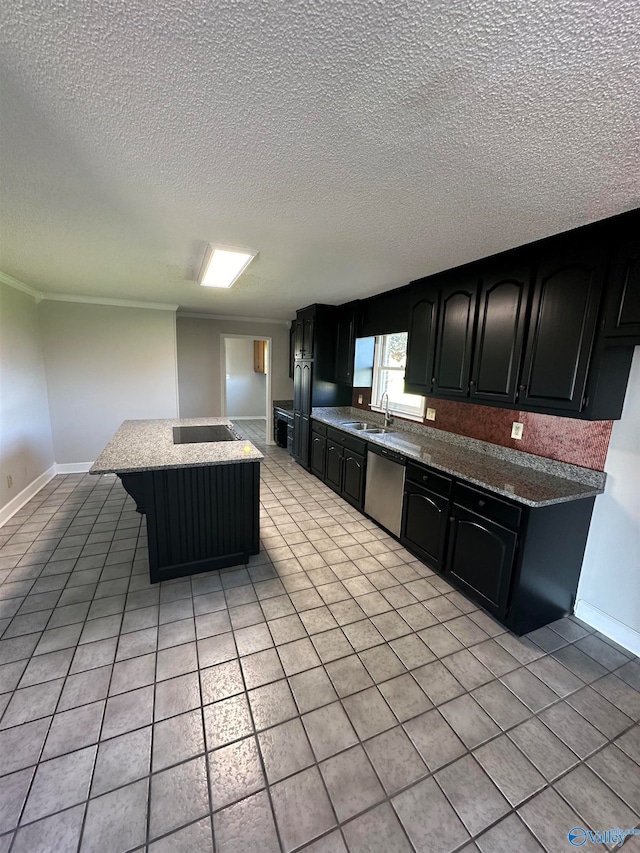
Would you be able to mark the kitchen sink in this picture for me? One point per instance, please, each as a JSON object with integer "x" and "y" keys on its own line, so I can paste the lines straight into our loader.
{"x": 357, "y": 425}
{"x": 378, "y": 431}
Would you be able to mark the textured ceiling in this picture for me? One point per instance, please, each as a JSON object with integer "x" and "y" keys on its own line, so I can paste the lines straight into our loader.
{"x": 357, "y": 144}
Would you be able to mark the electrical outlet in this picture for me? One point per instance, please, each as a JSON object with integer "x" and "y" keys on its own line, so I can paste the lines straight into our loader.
{"x": 9, "y": 481}
{"x": 359, "y": 399}
{"x": 516, "y": 430}
{"x": 431, "y": 414}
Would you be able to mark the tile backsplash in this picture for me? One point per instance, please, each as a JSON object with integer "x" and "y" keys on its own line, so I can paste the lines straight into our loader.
{"x": 565, "y": 439}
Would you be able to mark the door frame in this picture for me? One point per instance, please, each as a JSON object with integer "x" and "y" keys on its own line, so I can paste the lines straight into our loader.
{"x": 223, "y": 377}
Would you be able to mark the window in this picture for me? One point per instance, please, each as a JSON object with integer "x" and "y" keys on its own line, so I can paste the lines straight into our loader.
{"x": 389, "y": 362}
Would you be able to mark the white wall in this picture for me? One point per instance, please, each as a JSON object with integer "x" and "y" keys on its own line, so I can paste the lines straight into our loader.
{"x": 246, "y": 390}
{"x": 199, "y": 370}
{"x": 105, "y": 364}
{"x": 609, "y": 591}
{"x": 26, "y": 449}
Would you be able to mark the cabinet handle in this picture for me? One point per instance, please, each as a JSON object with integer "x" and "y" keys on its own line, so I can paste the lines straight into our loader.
{"x": 452, "y": 518}
{"x": 433, "y": 380}
{"x": 471, "y": 384}
{"x": 522, "y": 387}
{"x": 425, "y": 477}
{"x": 481, "y": 503}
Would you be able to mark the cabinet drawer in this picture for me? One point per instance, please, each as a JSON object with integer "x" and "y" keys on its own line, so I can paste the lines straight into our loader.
{"x": 319, "y": 427}
{"x": 348, "y": 441}
{"x": 438, "y": 483}
{"x": 487, "y": 505}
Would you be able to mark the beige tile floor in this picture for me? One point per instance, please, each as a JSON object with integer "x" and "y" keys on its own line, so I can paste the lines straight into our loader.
{"x": 333, "y": 695}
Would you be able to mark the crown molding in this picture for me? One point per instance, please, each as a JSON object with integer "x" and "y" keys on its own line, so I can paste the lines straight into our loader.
{"x": 10, "y": 281}
{"x": 194, "y": 315}
{"x": 105, "y": 300}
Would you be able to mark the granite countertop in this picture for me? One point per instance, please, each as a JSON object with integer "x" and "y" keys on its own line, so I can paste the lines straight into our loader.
{"x": 148, "y": 446}
{"x": 536, "y": 482}
{"x": 284, "y": 405}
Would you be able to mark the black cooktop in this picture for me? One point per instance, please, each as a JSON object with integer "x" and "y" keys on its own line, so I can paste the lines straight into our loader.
{"x": 203, "y": 434}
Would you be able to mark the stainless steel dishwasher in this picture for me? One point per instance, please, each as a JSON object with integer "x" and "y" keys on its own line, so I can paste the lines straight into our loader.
{"x": 385, "y": 487}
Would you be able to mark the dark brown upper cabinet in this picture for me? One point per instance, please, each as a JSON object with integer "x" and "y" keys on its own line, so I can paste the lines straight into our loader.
{"x": 564, "y": 314}
{"x": 454, "y": 343}
{"x": 421, "y": 342}
{"x": 298, "y": 327}
{"x": 623, "y": 314}
{"x": 502, "y": 315}
{"x": 345, "y": 345}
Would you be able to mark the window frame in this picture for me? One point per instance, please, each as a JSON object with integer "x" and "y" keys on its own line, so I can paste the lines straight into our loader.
{"x": 414, "y": 413}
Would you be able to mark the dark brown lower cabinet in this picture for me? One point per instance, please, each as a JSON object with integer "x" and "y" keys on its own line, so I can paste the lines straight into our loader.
{"x": 424, "y": 524}
{"x": 318, "y": 454}
{"x": 353, "y": 468}
{"x": 333, "y": 469}
{"x": 481, "y": 558}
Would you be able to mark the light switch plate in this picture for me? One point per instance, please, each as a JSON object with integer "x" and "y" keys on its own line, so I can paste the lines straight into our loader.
{"x": 516, "y": 430}
{"x": 359, "y": 399}
{"x": 431, "y": 414}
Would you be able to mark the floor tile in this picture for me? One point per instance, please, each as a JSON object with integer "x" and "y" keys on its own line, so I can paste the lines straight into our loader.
{"x": 434, "y": 739}
{"x": 178, "y": 695}
{"x": 514, "y": 774}
{"x": 312, "y": 689}
{"x": 395, "y": 759}
{"x": 59, "y": 832}
{"x": 377, "y": 831}
{"x": 177, "y": 739}
{"x": 272, "y": 704}
{"x": 262, "y": 668}
{"x": 620, "y": 773}
{"x": 501, "y": 704}
{"x": 31, "y": 703}
{"x": 285, "y": 750}
{"x": 302, "y": 808}
{"x": 572, "y": 729}
{"x": 352, "y": 783}
{"x": 348, "y": 675}
{"x": 234, "y": 772}
{"x": 14, "y": 788}
{"x": 599, "y": 712}
{"x": 549, "y": 818}
{"x": 122, "y": 760}
{"x": 329, "y": 730}
{"x": 477, "y": 801}
{"x": 196, "y": 838}
{"x": 594, "y": 801}
{"x": 128, "y": 711}
{"x": 428, "y": 819}
{"x": 74, "y": 729}
{"x": 369, "y": 713}
{"x": 247, "y": 825}
{"x": 48, "y": 796}
{"x": 20, "y": 746}
{"x": 469, "y": 721}
{"x": 405, "y": 698}
{"x": 178, "y": 796}
{"x": 509, "y": 835}
{"x": 116, "y": 821}
{"x": 227, "y": 720}
{"x": 543, "y": 748}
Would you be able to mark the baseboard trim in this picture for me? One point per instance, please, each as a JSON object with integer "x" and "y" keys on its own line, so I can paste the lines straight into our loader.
{"x": 246, "y": 418}
{"x": 16, "y": 504}
{"x": 73, "y": 467}
{"x": 622, "y": 634}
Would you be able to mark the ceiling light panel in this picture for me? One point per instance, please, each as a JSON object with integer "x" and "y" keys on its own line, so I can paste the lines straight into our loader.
{"x": 223, "y": 266}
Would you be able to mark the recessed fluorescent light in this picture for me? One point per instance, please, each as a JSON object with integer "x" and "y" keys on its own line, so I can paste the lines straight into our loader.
{"x": 222, "y": 266}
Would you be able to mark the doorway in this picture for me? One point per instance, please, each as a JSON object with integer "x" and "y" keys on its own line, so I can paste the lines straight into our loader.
{"x": 246, "y": 385}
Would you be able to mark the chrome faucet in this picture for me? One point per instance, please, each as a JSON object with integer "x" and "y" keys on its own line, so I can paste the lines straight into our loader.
{"x": 388, "y": 420}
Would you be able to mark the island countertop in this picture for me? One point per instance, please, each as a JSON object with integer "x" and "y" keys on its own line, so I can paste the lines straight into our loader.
{"x": 147, "y": 445}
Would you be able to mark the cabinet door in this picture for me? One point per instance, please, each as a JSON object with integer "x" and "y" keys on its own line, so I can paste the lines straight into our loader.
{"x": 333, "y": 470}
{"x": 305, "y": 438}
{"x": 298, "y": 348}
{"x": 297, "y": 434}
{"x": 424, "y": 524}
{"x": 317, "y": 454}
{"x": 353, "y": 468}
{"x": 345, "y": 345}
{"x": 307, "y": 337}
{"x": 481, "y": 557}
{"x": 423, "y": 315}
{"x": 623, "y": 316}
{"x": 455, "y": 338}
{"x": 292, "y": 348}
{"x": 564, "y": 312}
{"x": 305, "y": 388}
{"x": 502, "y": 313}
{"x": 297, "y": 386}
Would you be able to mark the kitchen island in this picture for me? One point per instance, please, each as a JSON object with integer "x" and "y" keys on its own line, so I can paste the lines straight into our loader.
{"x": 197, "y": 482}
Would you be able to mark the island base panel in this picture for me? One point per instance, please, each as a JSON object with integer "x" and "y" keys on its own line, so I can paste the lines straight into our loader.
{"x": 198, "y": 519}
